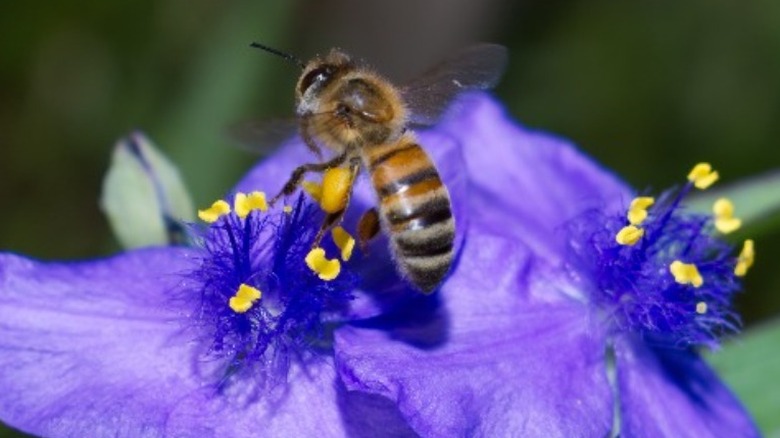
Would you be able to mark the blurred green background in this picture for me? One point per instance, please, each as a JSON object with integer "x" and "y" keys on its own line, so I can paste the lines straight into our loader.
{"x": 647, "y": 88}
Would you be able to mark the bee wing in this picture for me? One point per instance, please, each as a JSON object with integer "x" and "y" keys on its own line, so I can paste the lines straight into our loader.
{"x": 476, "y": 67}
{"x": 262, "y": 137}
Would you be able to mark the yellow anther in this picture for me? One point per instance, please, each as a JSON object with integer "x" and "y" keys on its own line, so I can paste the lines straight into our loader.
{"x": 701, "y": 307}
{"x": 725, "y": 222}
{"x": 217, "y": 210}
{"x": 636, "y": 216}
{"x": 642, "y": 202}
{"x": 629, "y": 235}
{"x": 326, "y": 269}
{"x": 686, "y": 273}
{"x": 245, "y": 297}
{"x": 344, "y": 241}
{"x": 313, "y": 189}
{"x": 746, "y": 258}
{"x": 243, "y": 204}
{"x": 287, "y": 209}
{"x": 637, "y": 211}
{"x": 336, "y": 184}
{"x": 702, "y": 176}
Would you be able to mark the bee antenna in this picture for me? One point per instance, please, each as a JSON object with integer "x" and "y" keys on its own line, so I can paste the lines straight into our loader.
{"x": 287, "y": 56}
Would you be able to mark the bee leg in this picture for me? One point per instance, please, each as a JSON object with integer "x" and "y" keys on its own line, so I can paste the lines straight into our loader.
{"x": 335, "y": 218}
{"x": 310, "y": 143}
{"x": 368, "y": 228}
{"x": 330, "y": 220}
{"x": 300, "y": 171}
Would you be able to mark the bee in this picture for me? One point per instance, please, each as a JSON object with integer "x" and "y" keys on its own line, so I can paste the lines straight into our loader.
{"x": 365, "y": 121}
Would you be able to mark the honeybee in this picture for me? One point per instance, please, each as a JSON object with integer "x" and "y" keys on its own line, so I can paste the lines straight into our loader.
{"x": 364, "y": 120}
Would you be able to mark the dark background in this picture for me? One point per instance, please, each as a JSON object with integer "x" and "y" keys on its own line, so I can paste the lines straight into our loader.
{"x": 648, "y": 88}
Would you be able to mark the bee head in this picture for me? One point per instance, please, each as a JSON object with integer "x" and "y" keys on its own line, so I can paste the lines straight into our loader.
{"x": 320, "y": 71}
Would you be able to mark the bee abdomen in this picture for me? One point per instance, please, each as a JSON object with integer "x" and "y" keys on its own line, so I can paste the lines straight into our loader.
{"x": 415, "y": 210}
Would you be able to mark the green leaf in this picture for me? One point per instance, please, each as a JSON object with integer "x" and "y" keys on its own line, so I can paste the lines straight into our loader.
{"x": 143, "y": 195}
{"x": 756, "y": 200}
{"x": 750, "y": 365}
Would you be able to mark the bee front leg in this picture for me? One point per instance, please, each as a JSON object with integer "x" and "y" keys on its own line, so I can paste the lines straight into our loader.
{"x": 297, "y": 175}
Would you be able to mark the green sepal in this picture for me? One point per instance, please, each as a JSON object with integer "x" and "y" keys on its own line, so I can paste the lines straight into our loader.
{"x": 143, "y": 195}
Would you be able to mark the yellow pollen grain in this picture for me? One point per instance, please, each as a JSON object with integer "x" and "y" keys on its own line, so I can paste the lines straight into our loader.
{"x": 336, "y": 184}
{"x": 725, "y": 222}
{"x": 686, "y": 273}
{"x": 313, "y": 189}
{"x": 244, "y": 299}
{"x": 701, "y": 307}
{"x": 629, "y": 235}
{"x": 746, "y": 258}
{"x": 217, "y": 210}
{"x": 287, "y": 209}
{"x": 344, "y": 241}
{"x": 702, "y": 176}
{"x": 243, "y": 204}
{"x": 325, "y": 269}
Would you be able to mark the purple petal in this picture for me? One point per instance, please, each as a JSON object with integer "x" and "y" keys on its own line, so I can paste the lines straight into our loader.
{"x": 666, "y": 392}
{"x": 502, "y": 366}
{"x": 526, "y": 183}
{"x": 95, "y": 349}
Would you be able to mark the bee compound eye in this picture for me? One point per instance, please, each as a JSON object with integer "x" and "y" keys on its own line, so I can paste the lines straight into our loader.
{"x": 319, "y": 75}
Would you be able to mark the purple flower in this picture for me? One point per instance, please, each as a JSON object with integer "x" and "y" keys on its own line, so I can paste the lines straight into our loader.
{"x": 556, "y": 320}
{"x": 228, "y": 339}
{"x": 545, "y": 327}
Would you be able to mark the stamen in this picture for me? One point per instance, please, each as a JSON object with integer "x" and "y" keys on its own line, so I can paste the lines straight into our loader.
{"x": 642, "y": 202}
{"x": 344, "y": 241}
{"x": 702, "y": 176}
{"x": 746, "y": 258}
{"x": 244, "y": 298}
{"x": 336, "y": 183}
{"x": 636, "y": 216}
{"x": 725, "y": 222}
{"x": 686, "y": 273}
{"x": 217, "y": 210}
{"x": 244, "y": 204}
{"x": 326, "y": 269}
{"x": 629, "y": 235}
{"x": 701, "y": 307}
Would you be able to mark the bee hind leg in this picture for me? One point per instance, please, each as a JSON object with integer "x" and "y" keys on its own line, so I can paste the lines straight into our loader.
{"x": 344, "y": 193}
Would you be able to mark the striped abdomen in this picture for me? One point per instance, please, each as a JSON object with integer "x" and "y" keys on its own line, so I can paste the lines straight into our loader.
{"x": 414, "y": 208}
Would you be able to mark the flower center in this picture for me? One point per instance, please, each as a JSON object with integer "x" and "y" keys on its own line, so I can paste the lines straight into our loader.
{"x": 661, "y": 271}
{"x": 259, "y": 301}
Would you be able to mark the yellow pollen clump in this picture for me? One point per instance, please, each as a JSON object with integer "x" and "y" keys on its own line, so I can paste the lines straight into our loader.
{"x": 336, "y": 183}
{"x": 702, "y": 176}
{"x": 701, "y": 307}
{"x": 326, "y": 269}
{"x": 244, "y": 204}
{"x": 287, "y": 209}
{"x": 217, "y": 210}
{"x": 686, "y": 273}
{"x": 725, "y": 222}
{"x": 746, "y": 258}
{"x": 629, "y": 235}
{"x": 313, "y": 189}
{"x": 244, "y": 298}
{"x": 344, "y": 241}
